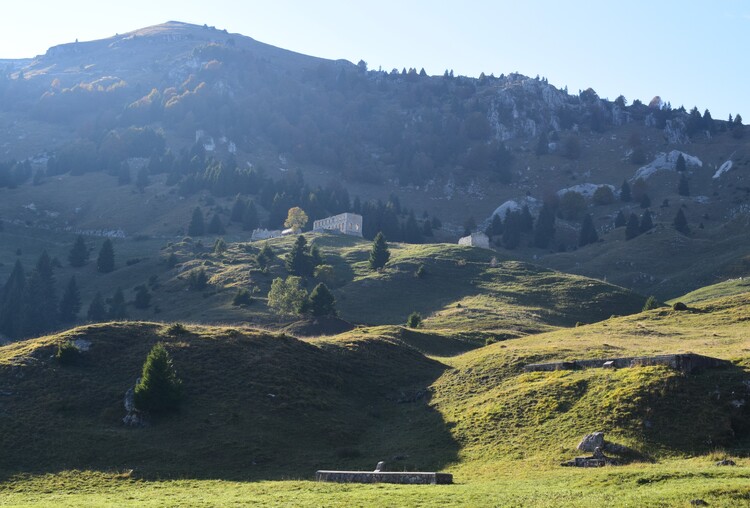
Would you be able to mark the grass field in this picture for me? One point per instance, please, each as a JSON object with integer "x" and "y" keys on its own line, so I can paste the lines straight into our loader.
{"x": 672, "y": 484}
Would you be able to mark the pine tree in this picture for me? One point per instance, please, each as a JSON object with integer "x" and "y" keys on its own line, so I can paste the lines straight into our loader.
{"x": 620, "y": 220}
{"x": 159, "y": 389}
{"x": 526, "y": 220}
{"x": 215, "y": 227}
{"x": 588, "y": 232}
{"x": 238, "y": 209}
{"x": 646, "y": 222}
{"x": 105, "y": 263}
{"x": 379, "y": 253}
{"x": 197, "y": 226}
{"x": 683, "y": 188}
{"x": 142, "y": 297}
{"x": 265, "y": 256}
{"x": 645, "y": 201}
{"x": 680, "y": 164}
{"x": 545, "y": 227}
{"x": 650, "y": 304}
{"x": 625, "y": 195}
{"x": 512, "y": 230}
{"x": 632, "y": 228}
{"x": 70, "y": 304}
{"x": 97, "y": 311}
{"x": 496, "y": 226}
{"x": 40, "y": 304}
{"x": 298, "y": 260}
{"x": 680, "y": 222}
{"x": 250, "y": 217}
{"x": 117, "y": 306}
{"x": 321, "y": 301}
{"x": 11, "y": 300}
{"x": 79, "y": 254}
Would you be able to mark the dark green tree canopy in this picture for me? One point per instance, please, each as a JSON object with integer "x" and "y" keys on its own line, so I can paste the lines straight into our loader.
{"x": 70, "y": 304}
{"x": 379, "y": 253}
{"x": 79, "y": 254}
{"x": 159, "y": 389}
{"x": 97, "y": 311}
{"x": 322, "y": 301}
{"x": 105, "y": 263}
{"x": 197, "y": 226}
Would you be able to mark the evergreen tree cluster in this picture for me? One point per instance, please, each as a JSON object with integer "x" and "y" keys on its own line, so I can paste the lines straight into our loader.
{"x": 302, "y": 259}
{"x": 29, "y": 304}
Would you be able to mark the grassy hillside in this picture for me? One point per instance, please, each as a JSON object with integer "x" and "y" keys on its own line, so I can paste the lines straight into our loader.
{"x": 255, "y": 404}
{"x": 412, "y": 398}
{"x": 463, "y": 289}
{"x": 727, "y": 288}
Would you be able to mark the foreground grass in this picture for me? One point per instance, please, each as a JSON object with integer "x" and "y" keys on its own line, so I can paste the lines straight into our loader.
{"x": 670, "y": 484}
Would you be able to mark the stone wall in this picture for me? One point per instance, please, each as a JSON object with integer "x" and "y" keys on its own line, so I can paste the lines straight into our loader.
{"x": 408, "y": 478}
{"x": 686, "y": 363}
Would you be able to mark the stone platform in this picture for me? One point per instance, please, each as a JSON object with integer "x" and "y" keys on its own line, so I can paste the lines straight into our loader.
{"x": 407, "y": 478}
{"x": 686, "y": 363}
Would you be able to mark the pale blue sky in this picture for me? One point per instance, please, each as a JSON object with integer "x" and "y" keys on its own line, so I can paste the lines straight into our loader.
{"x": 690, "y": 52}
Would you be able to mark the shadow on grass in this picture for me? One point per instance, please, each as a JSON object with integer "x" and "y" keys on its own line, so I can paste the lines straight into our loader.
{"x": 256, "y": 406}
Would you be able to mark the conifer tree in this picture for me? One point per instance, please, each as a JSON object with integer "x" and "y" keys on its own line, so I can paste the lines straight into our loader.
{"x": 545, "y": 227}
{"x": 625, "y": 195}
{"x": 250, "y": 217}
{"x": 298, "y": 260}
{"x": 70, "y": 304}
{"x": 265, "y": 256}
{"x": 526, "y": 220}
{"x": 11, "y": 299}
{"x": 632, "y": 228}
{"x": 620, "y": 220}
{"x": 97, "y": 311}
{"x": 680, "y": 164}
{"x": 159, "y": 389}
{"x": 238, "y": 209}
{"x": 588, "y": 232}
{"x": 646, "y": 222}
{"x": 105, "y": 263}
{"x": 683, "y": 188}
{"x": 40, "y": 305}
{"x": 321, "y": 301}
{"x": 379, "y": 253}
{"x": 215, "y": 227}
{"x": 117, "y": 306}
{"x": 645, "y": 201}
{"x": 680, "y": 222}
{"x": 197, "y": 225}
{"x": 512, "y": 230}
{"x": 496, "y": 226}
{"x": 79, "y": 254}
{"x": 142, "y": 297}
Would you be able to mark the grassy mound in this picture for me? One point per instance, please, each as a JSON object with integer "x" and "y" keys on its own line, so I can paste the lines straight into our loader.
{"x": 253, "y": 402}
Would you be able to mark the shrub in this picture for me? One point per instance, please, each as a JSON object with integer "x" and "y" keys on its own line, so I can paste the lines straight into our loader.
{"x": 489, "y": 341}
{"x": 603, "y": 195}
{"x": 242, "y": 298}
{"x": 679, "y": 306}
{"x": 67, "y": 353}
{"x": 650, "y": 304}
{"x": 198, "y": 279}
{"x": 159, "y": 389}
{"x": 414, "y": 320}
{"x": 176, "y": 329}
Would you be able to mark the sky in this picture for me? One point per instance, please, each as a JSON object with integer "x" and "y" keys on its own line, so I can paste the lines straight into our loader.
{"x": 689, "y": 52}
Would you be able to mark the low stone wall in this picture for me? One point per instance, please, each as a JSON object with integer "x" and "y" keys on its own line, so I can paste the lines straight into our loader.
{"x": 686, "y": 363}
{"x": 408, "y": 478}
